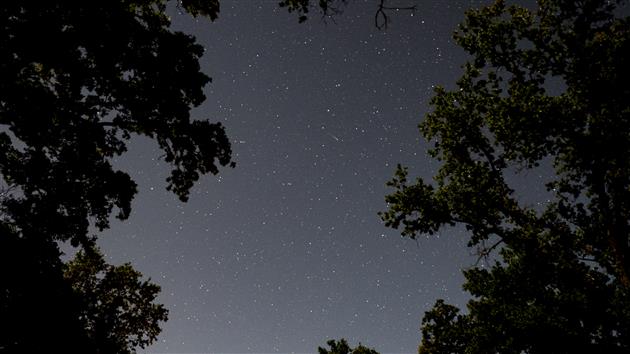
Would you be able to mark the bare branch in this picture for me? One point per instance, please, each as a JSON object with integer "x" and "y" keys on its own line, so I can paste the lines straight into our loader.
{"x": 380, "y": 18}
{"x": 484, "y": 252}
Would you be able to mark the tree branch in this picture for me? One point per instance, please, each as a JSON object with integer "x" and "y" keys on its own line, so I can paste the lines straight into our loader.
{"x": 380, "y": 18}
{"x": 484, "y": 252}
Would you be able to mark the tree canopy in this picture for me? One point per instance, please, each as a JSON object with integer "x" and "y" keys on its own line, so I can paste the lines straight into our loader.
{"x": 544, "y": 86}
{"x": 117, "y": 308}
{"x": 78, "y": 81}
{"x": 342, "y": 347}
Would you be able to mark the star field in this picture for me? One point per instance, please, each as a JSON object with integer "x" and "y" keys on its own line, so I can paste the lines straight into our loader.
{"x": 286, "y": 250}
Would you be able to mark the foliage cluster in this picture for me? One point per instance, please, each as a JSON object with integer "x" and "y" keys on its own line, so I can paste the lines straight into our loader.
{"x": 78, "y": 81}
{"x": 558, "y": 275}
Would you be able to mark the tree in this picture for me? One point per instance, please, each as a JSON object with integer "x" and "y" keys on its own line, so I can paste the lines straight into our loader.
{"x": 38, "y": 308}
{"x": 117, "y": 308}
{"x": 342, "y": 347}
{"x": 557, "y": 278}
{"x": 77, "y": 82}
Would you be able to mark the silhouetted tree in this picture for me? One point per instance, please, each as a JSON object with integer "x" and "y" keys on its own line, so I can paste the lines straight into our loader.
{"x": 117, "y": 309}
{"x": 78, "y": 80}
{"x": 39, "y": 311}
{"x": 342, "y": 347}
{"x": 544, "y": 86}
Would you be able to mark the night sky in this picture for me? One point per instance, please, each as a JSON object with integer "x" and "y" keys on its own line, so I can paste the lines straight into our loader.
{"x": 286, "y": 250}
